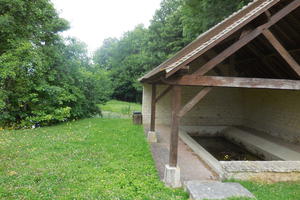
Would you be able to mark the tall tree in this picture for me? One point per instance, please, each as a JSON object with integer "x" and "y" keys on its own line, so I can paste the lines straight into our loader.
{"x": 43, "y": 79}
{"x": 166, "y": 32}
{"x": 174, "y": 24}
{"x": 200, "y": 15}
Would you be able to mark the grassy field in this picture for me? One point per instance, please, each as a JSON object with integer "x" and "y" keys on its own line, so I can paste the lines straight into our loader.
{"x": 87, "y": 159}
{"x": 278, "y": 191}
{"x": 120, "y": 107}
{"x": 94, "y": 159}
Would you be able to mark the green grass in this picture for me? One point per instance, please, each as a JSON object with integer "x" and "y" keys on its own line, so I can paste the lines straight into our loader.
{"x": 93, "y": 159}
{"x": 87, "y": 159}
{"x": 121, "y": 107}
{"x": 277, "y": 191}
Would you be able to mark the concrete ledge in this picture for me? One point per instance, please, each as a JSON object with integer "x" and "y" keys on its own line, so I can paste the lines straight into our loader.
{"x": 204, "y": 130}
{"x": 172, "y": 177}
{"x": 265, "y": 177}
{"x": 211, "y": 161}
{"x": 261, "y": 166}
{"x": 267, "y": 171}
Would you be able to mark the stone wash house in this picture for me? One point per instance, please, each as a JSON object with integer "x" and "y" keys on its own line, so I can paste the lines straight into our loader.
{"x": 241, "y": 80}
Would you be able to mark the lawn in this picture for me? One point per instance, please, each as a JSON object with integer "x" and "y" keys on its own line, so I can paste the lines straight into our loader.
{"x": 95, "y": 158}
{"x": 278, "y": 191}
{"x": 120, "y": 107}
{"x": 88, "y": 159}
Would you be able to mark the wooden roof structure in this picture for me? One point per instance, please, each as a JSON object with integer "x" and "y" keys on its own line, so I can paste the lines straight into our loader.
{"x": 256, "y": 47}
{"x": 259, "y": 41}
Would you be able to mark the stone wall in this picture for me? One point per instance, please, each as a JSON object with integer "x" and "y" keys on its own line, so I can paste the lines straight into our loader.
{"x": 276, "y": 112}
{"x": 219, "y": 107}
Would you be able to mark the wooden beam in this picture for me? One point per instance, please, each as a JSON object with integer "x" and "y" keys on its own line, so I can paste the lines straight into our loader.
{"x": 168, "y": 89}
{"x": 247, "y": 38}
{"x": 153, "y": 108}
{"x": 231, "y": 21}
{"x": 282, "y": 51}
{"x": 234, "y": 82}
{"x": 176, "y": 104}
{"x": 194, "y": 101}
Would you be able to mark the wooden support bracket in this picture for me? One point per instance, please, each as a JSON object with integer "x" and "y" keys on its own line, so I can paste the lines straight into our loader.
{"x": 166, "y": 91}
{"x": 194, "y": 101}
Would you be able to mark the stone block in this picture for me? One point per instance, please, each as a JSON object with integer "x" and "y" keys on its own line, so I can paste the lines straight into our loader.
{"x": 152, "y": 137}
{"x": 172, "y": 176}
{"x": 200, "y": 190}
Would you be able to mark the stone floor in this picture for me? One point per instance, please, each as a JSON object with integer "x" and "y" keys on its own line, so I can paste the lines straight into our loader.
{"x": 192, "y": 168}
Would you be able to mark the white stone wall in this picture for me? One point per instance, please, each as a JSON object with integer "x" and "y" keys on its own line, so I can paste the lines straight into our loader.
{"x": 276, "y": 112}
{"x": 219, "y": 107}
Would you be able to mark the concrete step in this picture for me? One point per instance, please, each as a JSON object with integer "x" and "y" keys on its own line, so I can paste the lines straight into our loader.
{"x": 200, "y": 190}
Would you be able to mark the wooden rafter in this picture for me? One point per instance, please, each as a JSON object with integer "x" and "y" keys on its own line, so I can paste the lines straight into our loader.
{"x": 247, "y": 38}
{"x": 234, "y": 82}
{"x": 282, "y": 51}
{"x": 194, "y": 101}
{"x": 220, "y": 33}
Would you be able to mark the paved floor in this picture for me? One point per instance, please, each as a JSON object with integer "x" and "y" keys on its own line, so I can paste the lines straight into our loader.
{"x": 192, "y": 168}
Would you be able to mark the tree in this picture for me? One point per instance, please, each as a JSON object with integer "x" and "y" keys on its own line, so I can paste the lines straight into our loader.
{"x": 140, "y": 50}
{"x": 200, "y": 15}
{"x": 174, "y": 25}
{"x": 126, "y": 60}
{"x": 166, "y": 32}
{"x": 103, "y": 56}
{"x": 44, "y": 79}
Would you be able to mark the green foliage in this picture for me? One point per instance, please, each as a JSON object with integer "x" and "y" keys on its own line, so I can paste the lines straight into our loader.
{"x": 275, "y": 191}
{"x": 44, "y": 79}
{"x": 173, "y": 26}
{"x": 126, "y": 60}
{"x": 166, "y": 32}
{"x": 200, "y": 15}
{"x": 140, "y": 50}
{"x": 88, "y": 159}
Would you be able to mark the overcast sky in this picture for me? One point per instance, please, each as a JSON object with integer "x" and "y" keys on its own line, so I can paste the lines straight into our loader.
{"x": 94, "y": 20}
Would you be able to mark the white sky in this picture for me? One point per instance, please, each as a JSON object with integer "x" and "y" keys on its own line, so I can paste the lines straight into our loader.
{"x": 94, "y": 20}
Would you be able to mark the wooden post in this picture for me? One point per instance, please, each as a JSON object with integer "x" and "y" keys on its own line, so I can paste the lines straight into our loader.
{"x": 176, "y": 105}
{"x": 153, "y": 108}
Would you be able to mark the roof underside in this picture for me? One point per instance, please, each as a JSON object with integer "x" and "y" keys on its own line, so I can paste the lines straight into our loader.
{"x": 257, "y": 59}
